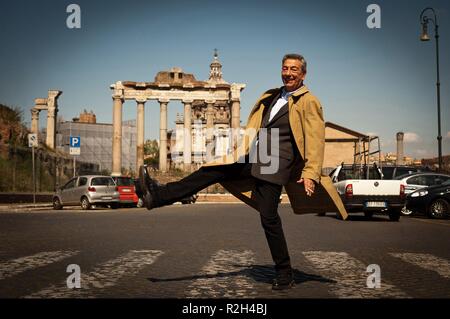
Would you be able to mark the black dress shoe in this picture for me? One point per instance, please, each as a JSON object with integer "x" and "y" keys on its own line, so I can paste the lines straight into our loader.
{"x": 149, "y": 188}
{"x": 284, "y": 280}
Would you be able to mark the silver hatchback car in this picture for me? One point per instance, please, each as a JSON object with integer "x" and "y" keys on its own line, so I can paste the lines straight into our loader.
{"x": 87, "y": 191}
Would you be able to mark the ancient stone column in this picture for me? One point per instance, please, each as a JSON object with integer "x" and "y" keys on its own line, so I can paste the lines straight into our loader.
{"x": 52, "y": 111}
{"x": 187, "y": 150}
{"x": 163, "y": 136}
{"x": 35, "y": 121}
{"x": 117, "y": 136}
{"x": 235, "y": 121}
{"x": 235, "y": 114}
{"x": 235, "y": 98}
{"x": 51, "y": 123}
{"x": 140, "y": 135}
{"x": 209, "y": 121}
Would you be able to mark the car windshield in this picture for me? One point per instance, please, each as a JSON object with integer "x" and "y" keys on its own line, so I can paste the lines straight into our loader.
{"x": 403, "y": 176}
{"x": 388, "y": 172}
{"x": 406, "y": 171}
{"x": 102, "y": 181}
{"x": 446, "y": 183}
{"x": 399, "y": 172}
{"x": 124, "y": 181}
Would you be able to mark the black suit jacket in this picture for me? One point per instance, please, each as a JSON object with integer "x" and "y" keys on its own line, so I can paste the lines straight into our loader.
{"x": 274, "y": 158}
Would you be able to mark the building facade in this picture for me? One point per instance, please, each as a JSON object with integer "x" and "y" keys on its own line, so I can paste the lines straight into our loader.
{"x": 221, "y": 141}
{"x": 96, "y": 141}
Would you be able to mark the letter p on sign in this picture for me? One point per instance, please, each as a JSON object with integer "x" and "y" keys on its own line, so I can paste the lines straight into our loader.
{"x": 75, "y": 141}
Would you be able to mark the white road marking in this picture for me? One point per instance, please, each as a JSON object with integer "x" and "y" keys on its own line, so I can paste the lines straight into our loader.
{"x": 222, "y": 278}
{"x": 19, "y": 265}
{"x": 427, "y": 261}
{"x": 350, "y": 276}
{"x": 103, "y": 276}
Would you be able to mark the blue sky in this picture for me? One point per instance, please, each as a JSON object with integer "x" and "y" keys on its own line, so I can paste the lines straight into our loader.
{"x": 377, "y": 81}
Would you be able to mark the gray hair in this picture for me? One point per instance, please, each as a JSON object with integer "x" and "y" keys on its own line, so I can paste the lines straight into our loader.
{"x": 295, "y": 56}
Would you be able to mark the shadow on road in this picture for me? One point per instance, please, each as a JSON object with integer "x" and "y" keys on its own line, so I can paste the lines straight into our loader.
{"x": 259, "y": 273}
{"x": 360, "y": 218}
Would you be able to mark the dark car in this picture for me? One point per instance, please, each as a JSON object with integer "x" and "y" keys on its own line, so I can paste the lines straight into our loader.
{"x": 432, "y": 201}
{"x": 391, "y": 172}
{"x": 140, "y": 194}
{"x": 417, "y": 181}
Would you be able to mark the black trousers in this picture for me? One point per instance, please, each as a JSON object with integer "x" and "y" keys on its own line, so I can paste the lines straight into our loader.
{"x": 266, "y": 195}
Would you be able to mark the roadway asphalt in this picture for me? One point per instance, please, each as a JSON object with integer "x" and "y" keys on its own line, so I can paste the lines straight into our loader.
{"x": 217, "y": 251}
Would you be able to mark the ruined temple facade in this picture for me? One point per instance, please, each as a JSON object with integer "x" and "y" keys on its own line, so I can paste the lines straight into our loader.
{"x": 49, "y": 104}
{"x": 213, "y": 105}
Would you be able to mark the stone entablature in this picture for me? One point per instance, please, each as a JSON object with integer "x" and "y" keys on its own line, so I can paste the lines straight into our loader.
{"x": 128, "y": 90}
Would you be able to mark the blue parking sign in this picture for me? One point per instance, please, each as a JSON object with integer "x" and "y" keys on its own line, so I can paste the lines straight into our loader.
{"x": 74, "y": 141}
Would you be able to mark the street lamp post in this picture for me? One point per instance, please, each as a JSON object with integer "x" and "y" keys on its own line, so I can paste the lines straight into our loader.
{"x": 424, "y": 37}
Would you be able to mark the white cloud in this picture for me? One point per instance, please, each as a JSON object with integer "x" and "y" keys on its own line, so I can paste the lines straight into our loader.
{"x": 386, "y": 143}
{"x": 411, "y": 137}
{"x": 422, "y": 152}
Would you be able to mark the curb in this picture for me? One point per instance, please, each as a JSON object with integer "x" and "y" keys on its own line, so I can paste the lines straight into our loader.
{"x": 202, "y": 199}
{"x": 17, "y": 207}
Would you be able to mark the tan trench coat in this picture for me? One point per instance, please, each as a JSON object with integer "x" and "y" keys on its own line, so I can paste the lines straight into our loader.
{"x": 308, "y": 128}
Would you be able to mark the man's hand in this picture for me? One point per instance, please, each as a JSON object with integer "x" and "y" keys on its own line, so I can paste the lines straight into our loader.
{"x": 309, "y": 185}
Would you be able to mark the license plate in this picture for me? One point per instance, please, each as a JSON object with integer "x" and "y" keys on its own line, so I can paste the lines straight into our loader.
{"x": 126, "y": 190}
{"x": 106, "y": 197}
{"x": 376, "y": 204}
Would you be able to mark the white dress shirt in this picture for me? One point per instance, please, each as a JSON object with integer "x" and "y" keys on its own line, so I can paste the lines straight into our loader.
{"x": 281, "y": 101}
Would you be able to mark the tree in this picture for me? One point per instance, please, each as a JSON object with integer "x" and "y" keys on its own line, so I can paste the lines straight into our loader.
{"x": 151, "y": 153}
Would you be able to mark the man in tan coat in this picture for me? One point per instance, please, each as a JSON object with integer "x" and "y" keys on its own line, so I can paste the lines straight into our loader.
{"x": 283, "y": 146}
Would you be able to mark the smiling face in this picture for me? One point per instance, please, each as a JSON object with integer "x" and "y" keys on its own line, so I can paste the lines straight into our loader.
{"x": 292, "y": 75}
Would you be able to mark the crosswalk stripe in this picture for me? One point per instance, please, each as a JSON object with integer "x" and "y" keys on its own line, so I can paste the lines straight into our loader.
{"x": 350, "y": 276}
{"x": 223, "y": 276}
{"x": 103, "y": 276}
{"x": 19, "y": 265}
{"x": 426, "y": 261}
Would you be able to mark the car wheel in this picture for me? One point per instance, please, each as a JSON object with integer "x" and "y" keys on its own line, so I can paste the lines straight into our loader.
{"x": 406, "y": 211}
{"x": 85, "y": 205}
{"x": 114, "y": 206}
{"x": 368, "y": 215}
{"x": 439, "y": 208}
{"x": 57, "y": 204}
{"x": 394, "y": 215}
